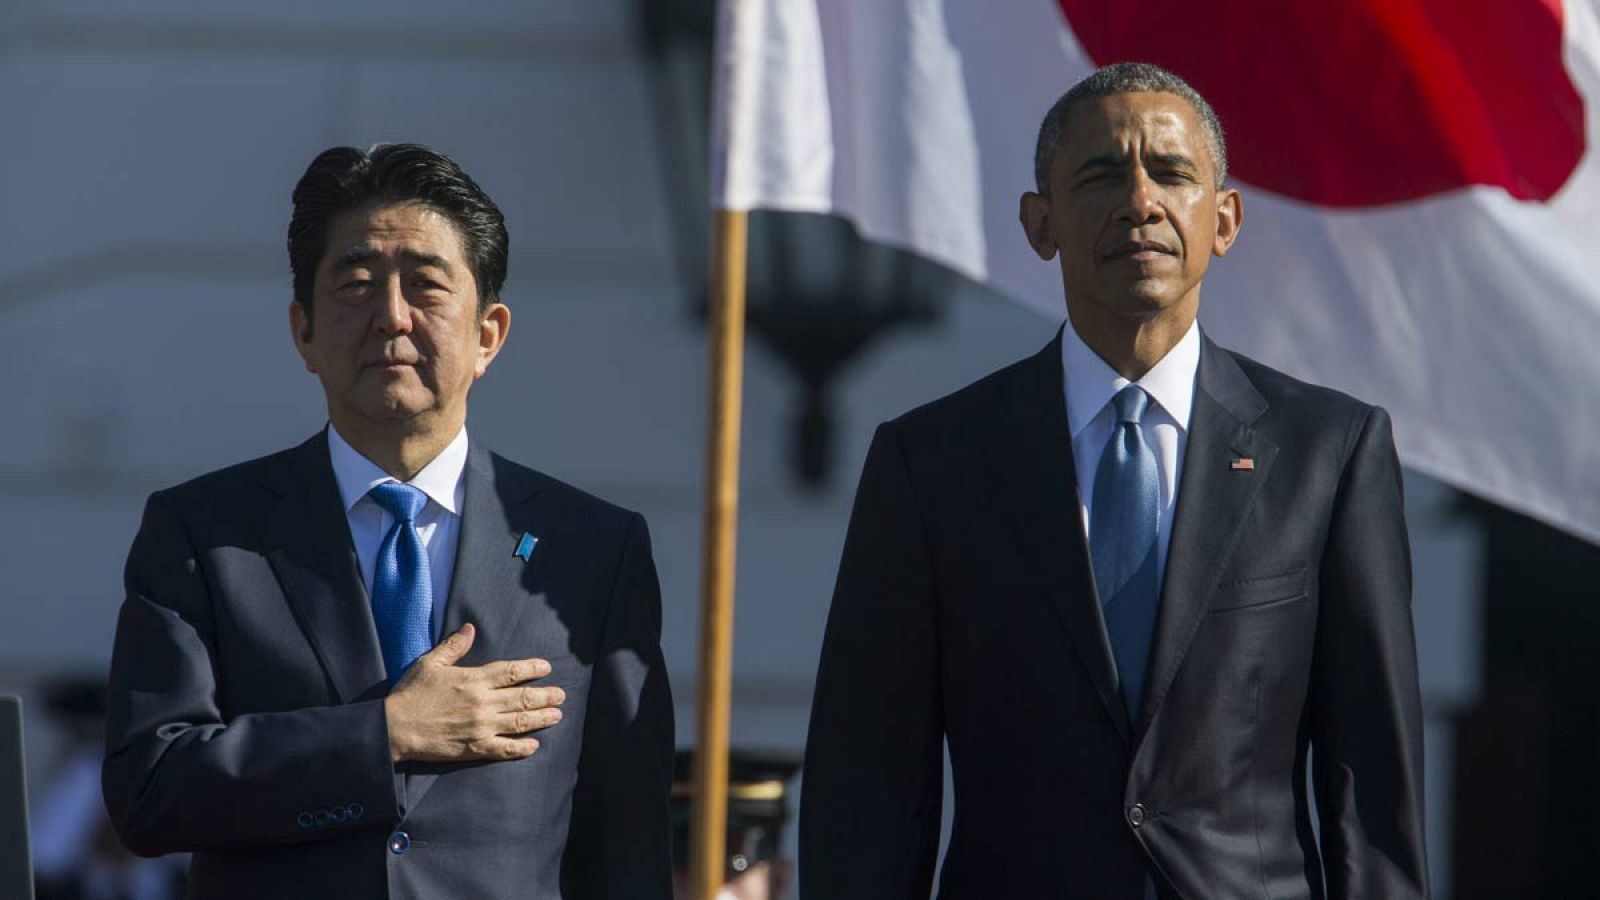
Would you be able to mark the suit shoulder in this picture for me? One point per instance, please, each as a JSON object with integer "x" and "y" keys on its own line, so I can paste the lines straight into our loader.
{"x": 586, "y": 506}
{"x": 1314, "y": 414}
{"x": 239, "y": 478}
{"x": 961, "y": 408}
{"x": 1286, "y": 391}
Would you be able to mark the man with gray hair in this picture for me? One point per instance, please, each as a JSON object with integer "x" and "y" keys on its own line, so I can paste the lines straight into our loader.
{"x": 1134, "y": 581}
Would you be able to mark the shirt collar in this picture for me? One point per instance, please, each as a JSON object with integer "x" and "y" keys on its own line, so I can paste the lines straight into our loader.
{"x": 1091, "y": 383}
{"x": 439, "y": 479}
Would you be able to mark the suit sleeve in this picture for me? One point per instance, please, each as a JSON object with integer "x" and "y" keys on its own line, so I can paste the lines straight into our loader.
{"x": 1366, "y": 714}
{"x": 874, "y": 764}
{"x": 178, "y": 776}
{"x": 620, "y": 837}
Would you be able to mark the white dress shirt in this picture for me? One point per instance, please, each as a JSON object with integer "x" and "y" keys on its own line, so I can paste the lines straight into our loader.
{"x": 438, "y": 525}
{"x": 1090, "y": 386}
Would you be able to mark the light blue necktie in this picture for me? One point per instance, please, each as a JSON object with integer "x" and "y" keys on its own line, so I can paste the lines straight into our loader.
{"x": 1123, "y": 524}
{"x": 402, "y": 586}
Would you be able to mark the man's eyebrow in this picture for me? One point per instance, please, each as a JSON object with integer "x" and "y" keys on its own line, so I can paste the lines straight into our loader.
{"x": 355, "y": 256}
{"x": 1171, "y": 160}
{"x": 1111, "y": 160}
{"x": 418, "y": 258}
{"x": 1103, "y": 161}
{"x": 358, "y": 256}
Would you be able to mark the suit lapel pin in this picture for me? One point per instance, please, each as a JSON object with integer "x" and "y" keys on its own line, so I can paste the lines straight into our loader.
{"x": 525, "y": 546}
{"x": 1241, "y": 464}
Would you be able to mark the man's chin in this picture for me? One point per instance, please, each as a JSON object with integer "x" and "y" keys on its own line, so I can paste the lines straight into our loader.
{"x": 1141, "y": 304}
{"x": 395, "y": 408}
{"x": 1142, "y": 297}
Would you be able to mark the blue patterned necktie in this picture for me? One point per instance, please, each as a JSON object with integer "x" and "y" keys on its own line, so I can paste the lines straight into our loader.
{"x": 1123, "y": 525}
{"x": 402, "y": 586}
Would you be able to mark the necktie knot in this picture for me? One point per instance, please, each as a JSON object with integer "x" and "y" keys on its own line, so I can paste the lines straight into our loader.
{"x": 1130, "y": 404}
{"x": 402, "y": 501}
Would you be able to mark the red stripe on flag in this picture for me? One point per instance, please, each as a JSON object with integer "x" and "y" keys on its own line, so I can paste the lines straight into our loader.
{"x": 1365, "y": 102}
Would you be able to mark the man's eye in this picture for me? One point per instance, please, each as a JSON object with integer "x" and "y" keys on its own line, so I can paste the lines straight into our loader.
{"x": 356, "y": 284}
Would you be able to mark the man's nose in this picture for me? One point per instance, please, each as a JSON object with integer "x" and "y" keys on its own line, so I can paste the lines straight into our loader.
{"x": 393, "y": 315}
{"x": 1141, "y": 204}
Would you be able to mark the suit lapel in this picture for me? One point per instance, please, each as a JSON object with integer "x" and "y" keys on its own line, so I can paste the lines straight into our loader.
{"x": 488, "y": 587}
{"x": 315, "y": 563}
{"x": 1213, "y": 504}
{"x": 1032, "y": 458}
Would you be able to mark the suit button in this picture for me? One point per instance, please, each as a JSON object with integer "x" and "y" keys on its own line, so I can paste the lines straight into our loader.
{"x": 337, "y": 814}
{"x": 322, "y": 819}
{"x": 399, "y": 842}
{"x": 355, "y": 811}
{"x": 304, "y": 820}
{"x": 1136, "y": 815}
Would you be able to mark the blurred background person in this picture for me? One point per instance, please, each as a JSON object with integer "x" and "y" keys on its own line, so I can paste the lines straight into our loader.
{"x": 758, "y": 818}
{"x": 76, "y": 853}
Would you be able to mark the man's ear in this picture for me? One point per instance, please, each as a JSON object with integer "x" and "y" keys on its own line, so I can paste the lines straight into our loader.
{"x": 493, "y": 326}
{"x": 1034, "y": 213}
{"x": 300, "y": 330}
{"x": 1230, "y": 217}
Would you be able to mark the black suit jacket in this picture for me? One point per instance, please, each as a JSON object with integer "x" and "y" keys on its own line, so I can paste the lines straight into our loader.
{"x": 966, "y": 612}
{"x": 247, "y": 723}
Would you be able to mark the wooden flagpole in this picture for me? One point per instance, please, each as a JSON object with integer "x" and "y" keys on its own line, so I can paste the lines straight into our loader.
{"x": 708, "y": 837}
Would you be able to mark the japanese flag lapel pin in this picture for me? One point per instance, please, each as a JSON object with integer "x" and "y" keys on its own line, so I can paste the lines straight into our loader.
{"x": 525, "y": 546}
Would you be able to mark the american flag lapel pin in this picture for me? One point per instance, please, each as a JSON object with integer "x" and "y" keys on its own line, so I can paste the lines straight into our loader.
{"x": 525, "y": 546}
{"x": 1241, "y": 464}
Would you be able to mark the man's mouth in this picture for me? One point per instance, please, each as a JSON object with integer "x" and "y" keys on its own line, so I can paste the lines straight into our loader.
{"x": 1139, "y": 250}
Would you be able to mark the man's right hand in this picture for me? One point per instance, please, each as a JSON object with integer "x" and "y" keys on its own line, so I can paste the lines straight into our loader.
{"x": 442, "y": 712}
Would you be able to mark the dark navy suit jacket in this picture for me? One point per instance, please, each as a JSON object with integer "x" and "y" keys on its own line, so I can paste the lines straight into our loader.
{"x": 966, "y": 612}
{"x": 247, "y": 685}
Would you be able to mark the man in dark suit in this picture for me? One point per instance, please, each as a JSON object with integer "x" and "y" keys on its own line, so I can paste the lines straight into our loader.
{"x": 332, "y": 661}
{"x": 1134, "y": 581}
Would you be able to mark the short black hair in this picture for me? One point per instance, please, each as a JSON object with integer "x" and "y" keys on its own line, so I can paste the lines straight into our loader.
{"x": 342, "y": 179}
{"x": 1123, "y": 78}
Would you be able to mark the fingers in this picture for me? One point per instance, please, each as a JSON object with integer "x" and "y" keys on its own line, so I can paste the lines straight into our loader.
{"x": 518, "y": 748}
{"x": 443, "y": 711}
{"x": 500, "y": 748}
{"x": 451, "y": 650}
{"x": 526, "y": 698}
{"x": 525, "y": 720}
{"x": 512, "y": 672}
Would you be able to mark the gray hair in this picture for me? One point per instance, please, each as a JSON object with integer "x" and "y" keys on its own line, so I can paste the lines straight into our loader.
{"x": 1123, "y": 78}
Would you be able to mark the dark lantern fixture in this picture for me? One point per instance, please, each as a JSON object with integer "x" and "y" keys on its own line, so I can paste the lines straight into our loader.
{"x": 818, "y": 295}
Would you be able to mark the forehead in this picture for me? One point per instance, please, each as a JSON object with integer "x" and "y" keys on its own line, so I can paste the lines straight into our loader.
{"x": 1154, "y": 122}
{"x": 415, "y": 228}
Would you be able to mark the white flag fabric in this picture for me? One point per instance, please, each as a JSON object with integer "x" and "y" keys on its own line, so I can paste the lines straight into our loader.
{"x": 1422, "y": 206}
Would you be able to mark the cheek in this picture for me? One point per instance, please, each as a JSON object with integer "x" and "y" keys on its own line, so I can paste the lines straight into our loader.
{"x": 328, "y": 354}
{"x": 340, "y": 330}
{"x": 1197, "y": 230}
{"x": 454, "y": 348}
{"x": 1075, "y": 224}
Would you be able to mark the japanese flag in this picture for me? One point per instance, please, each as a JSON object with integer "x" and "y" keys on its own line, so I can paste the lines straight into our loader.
{"x": 1422, "y": 206}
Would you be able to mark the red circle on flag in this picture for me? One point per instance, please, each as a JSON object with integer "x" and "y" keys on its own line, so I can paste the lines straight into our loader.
{"x": 1365, "y": 102}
